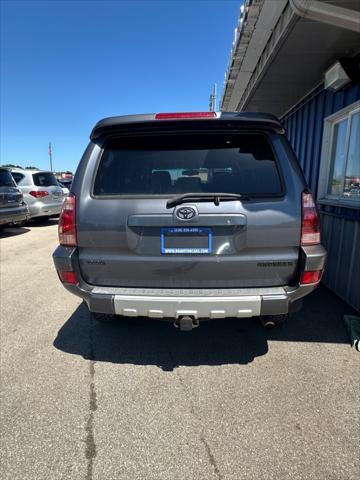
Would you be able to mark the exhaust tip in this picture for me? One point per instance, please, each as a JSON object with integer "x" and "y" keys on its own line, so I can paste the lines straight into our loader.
{"x": 186, "y": 323}
{"x": 268, "y": 324}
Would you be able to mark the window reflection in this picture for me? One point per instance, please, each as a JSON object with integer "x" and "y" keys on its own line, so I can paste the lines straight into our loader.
{"x": 338, "y": 160}
{"x": 352, "y": 174}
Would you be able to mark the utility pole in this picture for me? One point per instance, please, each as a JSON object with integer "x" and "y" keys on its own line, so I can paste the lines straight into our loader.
{"x": 50, "y": 156}
{"x": 212, "y": 99}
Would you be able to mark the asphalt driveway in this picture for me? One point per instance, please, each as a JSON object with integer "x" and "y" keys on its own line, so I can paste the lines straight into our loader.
{"x": 139, "y": 399}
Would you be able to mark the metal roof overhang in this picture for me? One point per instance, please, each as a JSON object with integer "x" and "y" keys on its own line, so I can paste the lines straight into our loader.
{"x": 292, "y": 63}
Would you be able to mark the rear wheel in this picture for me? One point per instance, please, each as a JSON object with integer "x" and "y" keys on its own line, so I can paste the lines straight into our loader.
{"x": 20, "y": 224}
{"x": 272, "y": 321}
{"x": 41, "y": 219}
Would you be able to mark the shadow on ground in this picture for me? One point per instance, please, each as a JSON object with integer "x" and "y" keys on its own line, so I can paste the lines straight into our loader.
{"x": 43, "y": 222}
{"x": 143, "y": 341}
{"x": 13, "y": 231}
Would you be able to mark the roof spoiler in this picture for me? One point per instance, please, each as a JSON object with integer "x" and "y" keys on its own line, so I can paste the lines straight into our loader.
{"x": 130, "y": 123}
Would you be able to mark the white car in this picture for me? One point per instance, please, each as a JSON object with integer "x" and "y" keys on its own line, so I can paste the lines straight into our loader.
{"x": 41, "y": 191}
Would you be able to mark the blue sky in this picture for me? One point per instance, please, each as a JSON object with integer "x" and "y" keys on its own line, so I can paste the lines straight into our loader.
{"x": 66, "y": 64}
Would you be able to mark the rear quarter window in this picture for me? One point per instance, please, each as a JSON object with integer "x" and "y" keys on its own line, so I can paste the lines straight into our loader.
{"x": 167, "y": 165}
{"x": 18, "y": 177}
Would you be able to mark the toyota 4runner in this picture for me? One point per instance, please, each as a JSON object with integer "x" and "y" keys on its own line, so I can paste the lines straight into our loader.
{"x": 190, "y": 216}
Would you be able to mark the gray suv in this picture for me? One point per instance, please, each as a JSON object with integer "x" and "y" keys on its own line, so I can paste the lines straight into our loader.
{"x": 13, "y": 210}
{"x": 190, "y": 216}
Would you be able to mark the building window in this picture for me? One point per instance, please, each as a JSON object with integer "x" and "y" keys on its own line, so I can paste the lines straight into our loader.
{"x": 339, "y": 180}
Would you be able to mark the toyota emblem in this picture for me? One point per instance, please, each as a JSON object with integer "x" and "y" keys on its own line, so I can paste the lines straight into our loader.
{"x": 186, "y": 213}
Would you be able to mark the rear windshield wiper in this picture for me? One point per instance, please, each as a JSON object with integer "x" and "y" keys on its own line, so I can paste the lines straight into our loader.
{"x": 205, "y": 197}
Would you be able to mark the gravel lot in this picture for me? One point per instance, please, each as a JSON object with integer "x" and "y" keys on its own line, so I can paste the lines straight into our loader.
{"x": 141, "y": 400}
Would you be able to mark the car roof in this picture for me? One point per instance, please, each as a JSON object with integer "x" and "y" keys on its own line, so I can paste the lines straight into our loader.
{"x": 124, "y": 122}
{"x": 28, "y": 170}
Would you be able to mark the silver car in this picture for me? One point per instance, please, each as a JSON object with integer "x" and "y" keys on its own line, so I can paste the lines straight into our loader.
{"x": 41, "y": 191}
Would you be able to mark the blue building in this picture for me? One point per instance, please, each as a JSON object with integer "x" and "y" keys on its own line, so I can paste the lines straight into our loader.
{"x": 300, "y": 59}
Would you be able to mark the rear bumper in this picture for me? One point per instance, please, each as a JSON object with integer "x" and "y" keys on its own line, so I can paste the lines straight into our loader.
{"x": 222, "y": 304}
{"x": 40, "y": 209}
{"x": 199, "y": 303}
{"x": 212, "y": 304}
{"x": 13, "y": 214}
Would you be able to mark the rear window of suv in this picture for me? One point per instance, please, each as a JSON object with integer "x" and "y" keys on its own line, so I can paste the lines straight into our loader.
{"x": 6, "y": 179}
{"x": 45, "y": 179}
{"x": 161, "y": 165}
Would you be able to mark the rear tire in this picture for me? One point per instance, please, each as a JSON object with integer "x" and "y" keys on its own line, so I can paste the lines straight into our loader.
{"x": 41, "y": 219}
{"x": 102, "y": 317}
{"x": 20, "y": 224}
{"x": 272, "y": 321}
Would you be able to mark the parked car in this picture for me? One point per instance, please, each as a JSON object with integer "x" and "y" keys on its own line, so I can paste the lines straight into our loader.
{"x": 188, "y": 217}
{"x": 64, "y": 188}
{"x": 65, "y": 182}
{"x": 13, "y": 210}
{"x": 42, "y": 192}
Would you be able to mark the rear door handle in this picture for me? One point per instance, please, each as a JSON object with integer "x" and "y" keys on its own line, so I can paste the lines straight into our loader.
{"x": 203, "y": 219}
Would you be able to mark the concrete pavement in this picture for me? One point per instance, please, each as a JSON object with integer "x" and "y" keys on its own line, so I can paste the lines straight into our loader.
{"x": 141, "y": 400}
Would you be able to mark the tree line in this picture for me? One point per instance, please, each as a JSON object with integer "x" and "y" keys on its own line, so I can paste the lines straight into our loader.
{"x": 10, "y": 165}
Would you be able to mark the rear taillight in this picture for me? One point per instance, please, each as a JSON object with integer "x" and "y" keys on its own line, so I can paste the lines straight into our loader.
{"x": 313, "y": 276}
{"x": 67, "y": 226}
{"x": 68, "y": 277}
{"x": 168, "y": 116}
{"x": 39, "y": 194}
{"x": 310, "y": 225}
